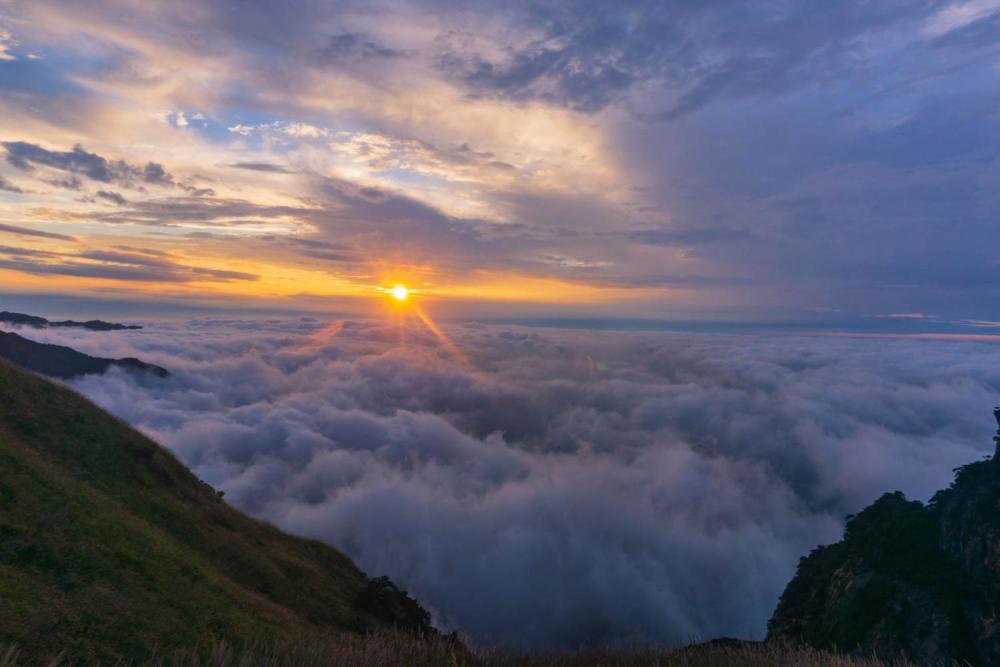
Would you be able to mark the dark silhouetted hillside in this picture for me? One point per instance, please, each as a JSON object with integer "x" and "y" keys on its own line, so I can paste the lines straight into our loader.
{"x": 110, "y": 547}
{"x": 41, "y": 323}
{"x": 64, "y": 362}
{"x": 907, "y": 578}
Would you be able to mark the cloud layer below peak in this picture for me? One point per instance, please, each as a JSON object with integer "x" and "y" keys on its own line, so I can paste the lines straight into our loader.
{"x": 558, "y": 488}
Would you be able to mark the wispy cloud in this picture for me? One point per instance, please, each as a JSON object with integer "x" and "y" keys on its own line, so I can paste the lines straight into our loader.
{"x": 116, "y": 266}
{"x": 7, "y": 186}
{"x": 262, "y": 166}
{"x": 7, "y": 44}
{"x": 25, "y": 231}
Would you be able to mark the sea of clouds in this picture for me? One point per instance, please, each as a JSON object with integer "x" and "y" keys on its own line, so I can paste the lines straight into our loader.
{"x": 554, "y": 488}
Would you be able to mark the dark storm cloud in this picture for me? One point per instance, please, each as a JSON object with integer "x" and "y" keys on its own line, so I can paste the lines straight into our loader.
{"x": 563, "y": 488}
{"x": 26, "y": 156}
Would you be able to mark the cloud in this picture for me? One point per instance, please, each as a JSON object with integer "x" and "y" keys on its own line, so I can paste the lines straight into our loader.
{"x": 199, "y": 210}
{"x": 68, "y": 183}
{"x": 24, "y": 231}
{"x": 958, "y": 23}
{"x": 26, "y": 252}
{"x": 262, "y": 166}
{"x": 7, "y": 186}
{"x": 123, "y": 266}
{"x": 155, "y": 173}
{"x": 26, "y": 156}
{"x": 582, "y": 56}
{"x": 558, "y": 489}
{"x": 350, "y": 46}
{"x": 113, "y": 197}
{"x": 522, "y": 79}
{"x": 7, "y": 43}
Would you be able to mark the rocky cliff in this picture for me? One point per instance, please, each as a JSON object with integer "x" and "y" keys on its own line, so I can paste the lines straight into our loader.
{"x": 907, "y": 578}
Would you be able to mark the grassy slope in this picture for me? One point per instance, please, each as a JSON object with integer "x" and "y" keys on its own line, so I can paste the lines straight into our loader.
{"x": 110, "y": 547}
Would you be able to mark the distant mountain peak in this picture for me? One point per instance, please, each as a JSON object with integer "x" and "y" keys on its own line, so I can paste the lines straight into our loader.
{"x": 41, "y": 323}
{"x": 63, "y": 362}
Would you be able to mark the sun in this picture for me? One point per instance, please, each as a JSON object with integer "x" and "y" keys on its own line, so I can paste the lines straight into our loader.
{"x": 399, "y": 293}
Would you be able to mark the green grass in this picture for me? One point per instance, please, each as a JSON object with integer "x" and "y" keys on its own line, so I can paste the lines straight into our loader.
{"x": 110, "y": 548}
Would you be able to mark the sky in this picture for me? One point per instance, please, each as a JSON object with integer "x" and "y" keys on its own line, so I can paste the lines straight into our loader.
{"x": 821, "y": 163}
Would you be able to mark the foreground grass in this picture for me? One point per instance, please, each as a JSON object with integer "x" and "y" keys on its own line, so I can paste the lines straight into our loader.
{"x": 388, "y": 649}
{"x": 110, "y": 546}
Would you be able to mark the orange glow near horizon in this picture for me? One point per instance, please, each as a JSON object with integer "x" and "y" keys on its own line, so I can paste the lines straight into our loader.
{"x": 398, "y": 292}
{"x": 301, "y": 286}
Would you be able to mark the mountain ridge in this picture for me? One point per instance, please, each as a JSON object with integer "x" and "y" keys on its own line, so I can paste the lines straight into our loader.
{"x": 37, "y": 322}
{"x": 63, "y": 362}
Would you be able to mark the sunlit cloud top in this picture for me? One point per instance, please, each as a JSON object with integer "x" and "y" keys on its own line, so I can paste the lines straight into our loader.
{"x": 700, "y": 160}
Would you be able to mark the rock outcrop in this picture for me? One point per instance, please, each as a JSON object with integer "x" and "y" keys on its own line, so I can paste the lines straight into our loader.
{"x": 907, "y": 579}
